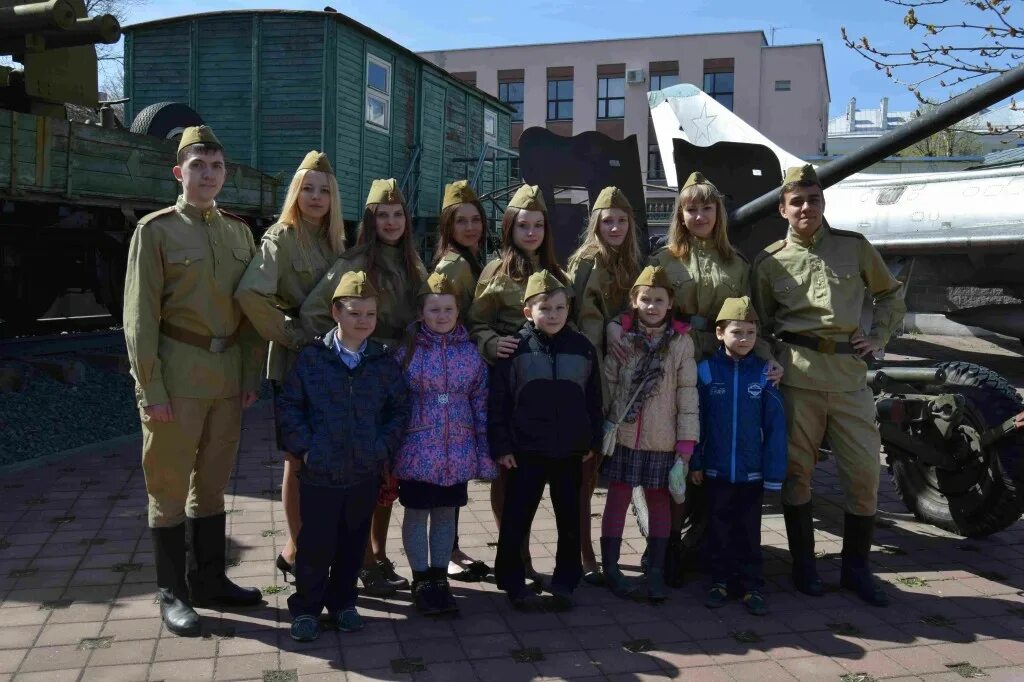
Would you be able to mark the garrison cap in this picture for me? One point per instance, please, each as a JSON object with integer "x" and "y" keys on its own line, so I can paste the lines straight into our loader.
{"x": 611, "y": 197}
{"x": 384, "y": 192}
{"x": 528, "y": 198}
{"x": 354, "y": 285}
{"x": 804, "y": 173}
{"x": 198, "y": 135}
{"x": 697, "y": 178}
{"x": 737, "y": 309}
{"x": 317, "y": 161}
{"x": 438, "y": 283}
{"x": 542, "y": 282}
{"x": 653, "y": 276}
{"x": 458, "y": 192}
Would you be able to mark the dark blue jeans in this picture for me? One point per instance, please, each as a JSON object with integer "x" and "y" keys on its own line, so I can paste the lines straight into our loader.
{"x": 335, "y": 530}
{"x": 523, "y": 493}
{"x": 734, "y": 534}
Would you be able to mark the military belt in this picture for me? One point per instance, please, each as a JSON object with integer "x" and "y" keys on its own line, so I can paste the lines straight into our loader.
{"x": 697, "y": 322}
{"x": 213, "y": 344}
{"x": 827, "y": 346}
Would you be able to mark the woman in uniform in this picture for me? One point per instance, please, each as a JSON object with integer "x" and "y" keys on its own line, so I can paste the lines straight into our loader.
{"x": 496, "y": 314}
{"x": 384, "y": 250}
{"x": 294, "y": 254}
{"x": 602, "y": 271}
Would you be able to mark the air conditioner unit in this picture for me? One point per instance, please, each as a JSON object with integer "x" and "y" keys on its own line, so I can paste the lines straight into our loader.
{"x": 636, "y": 76}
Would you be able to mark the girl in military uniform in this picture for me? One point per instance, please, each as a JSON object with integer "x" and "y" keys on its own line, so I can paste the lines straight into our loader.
{"x": 384, "y": 250}
{"x": 496, "y": 315}
{"x": 602, "y": 271}
{"x": 294, "y": 254}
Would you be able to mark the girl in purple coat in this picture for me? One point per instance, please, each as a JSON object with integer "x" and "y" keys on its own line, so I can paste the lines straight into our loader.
{"x": 445, "y": 444}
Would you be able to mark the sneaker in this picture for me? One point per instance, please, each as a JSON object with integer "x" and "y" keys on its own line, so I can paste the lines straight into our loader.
{"x": 755, "y": 603}
{"x": 387, "y": 569}
{"x": 717, "y": 596}
{"x": 374, "y": 582}
{"x": 349, "y": 620}
{"x": 305, "y": 629}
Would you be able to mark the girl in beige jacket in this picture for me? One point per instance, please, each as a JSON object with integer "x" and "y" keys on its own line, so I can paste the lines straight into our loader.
{"x": 654, "y": 399}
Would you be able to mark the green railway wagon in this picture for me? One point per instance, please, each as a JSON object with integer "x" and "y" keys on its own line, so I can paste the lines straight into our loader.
{"x": 274, "y": 84}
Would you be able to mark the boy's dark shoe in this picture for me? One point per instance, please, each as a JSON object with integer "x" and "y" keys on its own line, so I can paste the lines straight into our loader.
{"x": 374, "y": 582}
{"x": 525, "y": 599}
{"x": 349, "y": 620}
{"x": 305, "y": 629}
{"x": 800, "y": 534}
{"x": 718, "y": 596}
{"x": 561, "y": 598}
{"x": 444, "y": 599}
{"x": 855, "y": 575}
{"x": 387, "y": 569}
{"x": 755, "y": 603}
{"x": 424, "y": 593}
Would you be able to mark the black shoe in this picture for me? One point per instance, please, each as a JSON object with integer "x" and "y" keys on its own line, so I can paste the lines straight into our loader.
{"x": 443, "y": 591}
{"x": 561, "y": 598}
{"x": 423, "y": 593}
{"x": 284, "y": 567}
{"x": 855, "y": 575}
{"x": 208, "y": 585}
{"x": 800, "y": 534}
{"x": 374, "y": 583}
{"x": 175, "y": 609}
{"x": 525, "y": 599}
{"x": 387, "y": 570}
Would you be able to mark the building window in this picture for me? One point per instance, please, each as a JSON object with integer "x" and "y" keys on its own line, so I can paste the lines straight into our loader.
{"x": 490, "y": 126}
{"x": 611, "y": 97}
{"x": 560, "y": 100}
{"x": 720, "y": 86}
{"x": 655, "y": 169}
{"x": 664, "y": 80}
{"x": 378, "y": 92}
{"x": 512, "y": 95}
{"x": 782, "y": 86}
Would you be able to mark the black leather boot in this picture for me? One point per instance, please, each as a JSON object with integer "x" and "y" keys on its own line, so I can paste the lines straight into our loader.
{"x": 208, "y": 584}
{"x": 856, "y": 576}
{"x": 657, "y": 590}
{"x": 445, "y": 599}
{"x": 175, "y": 608}
{"x": 423, "y": 597}
{"x": 800, "y": 533}
{"x": 618, "y": 583}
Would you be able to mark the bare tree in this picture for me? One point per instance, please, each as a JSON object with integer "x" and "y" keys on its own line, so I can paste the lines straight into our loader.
{"x": 988, "y": 40}
{"x": 957, "y": 140}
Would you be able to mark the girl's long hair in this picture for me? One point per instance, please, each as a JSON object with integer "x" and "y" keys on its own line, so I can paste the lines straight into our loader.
{"x": 446, "y": 238}
{"x": 622, "y": 261}
{"x": 679, "y": 238}
{"x": 368, "y": 236}
{"x": 333, "y": 226}
{"x": 515, "y": 264}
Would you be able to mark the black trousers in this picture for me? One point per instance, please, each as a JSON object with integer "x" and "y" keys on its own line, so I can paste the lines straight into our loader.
{"x": 523, "y": 493}
{"x": 734, "y": 533}
{"x": 330, "y": 547}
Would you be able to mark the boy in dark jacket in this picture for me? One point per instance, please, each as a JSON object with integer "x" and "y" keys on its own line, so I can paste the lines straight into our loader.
{"x": 544, "y": 421}
{"x": 742, "y": 453}
{"x": 343, "y": 410}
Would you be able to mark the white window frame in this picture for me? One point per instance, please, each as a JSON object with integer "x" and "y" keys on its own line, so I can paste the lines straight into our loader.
{"x": 383, "y": 97}
{"x": 493, "y": 115}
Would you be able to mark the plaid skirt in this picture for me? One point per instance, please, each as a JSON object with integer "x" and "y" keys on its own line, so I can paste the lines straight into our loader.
{"x": 644, "y": 468}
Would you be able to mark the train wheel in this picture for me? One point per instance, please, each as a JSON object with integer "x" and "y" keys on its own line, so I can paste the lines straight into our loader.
{"x": 981, "y": 498}
{"x": 166, "y": 120}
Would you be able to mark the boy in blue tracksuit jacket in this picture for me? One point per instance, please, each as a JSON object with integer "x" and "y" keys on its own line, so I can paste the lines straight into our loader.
{"x": 742, "y": 453}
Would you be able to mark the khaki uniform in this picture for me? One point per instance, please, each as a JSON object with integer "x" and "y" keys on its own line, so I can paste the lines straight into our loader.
{"x": 458, "y": 270}
{"x": 598, "y": 303}
{"x": 183, "y": 267}
{"x": 497, "y": 309}
{"x": 274, "y": 286}
{"x": 815, "y": 287}
{"x": 396, "y": 304}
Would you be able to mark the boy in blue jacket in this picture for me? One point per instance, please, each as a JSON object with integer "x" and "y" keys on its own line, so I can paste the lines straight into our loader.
{"x": 343, "y": 410}
{"x": 741, "y": 453}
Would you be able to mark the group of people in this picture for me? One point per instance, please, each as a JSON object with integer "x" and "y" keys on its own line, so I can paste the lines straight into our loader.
{"x": 393, "y": 381}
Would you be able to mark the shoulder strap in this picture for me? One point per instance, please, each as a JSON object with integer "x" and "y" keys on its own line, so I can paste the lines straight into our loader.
{"x": 846, "y": 233}
{"x": 232, "y": 215}
{"x": 769, "y": 250}
{"x": 156, "y": 214}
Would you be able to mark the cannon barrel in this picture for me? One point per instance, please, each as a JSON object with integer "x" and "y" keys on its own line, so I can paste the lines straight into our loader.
{"x": 909, "y": 375}
{"x": 102, "y": 29}
{"x": 54, "y": 15}
{"x": 950, "y": 112}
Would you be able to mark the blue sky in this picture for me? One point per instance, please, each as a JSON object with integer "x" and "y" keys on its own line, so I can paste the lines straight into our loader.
{"x": 431, "y": 25}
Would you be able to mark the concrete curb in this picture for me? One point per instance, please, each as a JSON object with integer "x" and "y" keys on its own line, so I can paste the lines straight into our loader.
{"x": 85, "y": 450}
{"x": 939, "y": 324}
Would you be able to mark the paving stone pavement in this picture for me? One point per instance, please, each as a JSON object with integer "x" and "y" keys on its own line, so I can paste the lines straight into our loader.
{"x": 76, "y": 582}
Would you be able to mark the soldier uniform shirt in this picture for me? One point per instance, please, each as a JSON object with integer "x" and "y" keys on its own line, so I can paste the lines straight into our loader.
{"x": 183, "y": 266}
{"x": 815, "y": 286}
{"x": 275, "y": 285}
{"x": 457, "y": 269}
{"x": 497, "y": 308}
{"x": 599, "y": 303}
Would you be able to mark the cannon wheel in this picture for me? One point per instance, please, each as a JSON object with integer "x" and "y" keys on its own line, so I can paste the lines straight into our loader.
{"x": 166, "y": 120}
{"x": 980, "y": 499}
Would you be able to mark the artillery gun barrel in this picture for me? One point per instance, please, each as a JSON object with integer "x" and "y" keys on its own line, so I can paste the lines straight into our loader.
{"x": 907, "y": 375}
{"x": 950, "y": 112}
{"x": 54, "y": 15}
{"x": 102, "y": 29}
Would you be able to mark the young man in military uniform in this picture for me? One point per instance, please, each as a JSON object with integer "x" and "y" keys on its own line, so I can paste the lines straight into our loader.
{"x": 196, "y": 362}
{"x": 809, "y": 292}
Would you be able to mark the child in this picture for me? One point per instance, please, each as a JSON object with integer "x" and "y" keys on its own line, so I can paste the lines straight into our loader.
{"x": 544, "y": 421}
{"x": 343, "y": 410}
{"x": 445, "y": 443}
{"x": 741, "y": 454}
{"x": 654, "y": 394}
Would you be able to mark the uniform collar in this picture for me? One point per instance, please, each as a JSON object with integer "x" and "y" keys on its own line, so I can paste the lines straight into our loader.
{"x": 194, "y": 213}
{"x": 703, "y": 245}
{"x": 808, "y": 243}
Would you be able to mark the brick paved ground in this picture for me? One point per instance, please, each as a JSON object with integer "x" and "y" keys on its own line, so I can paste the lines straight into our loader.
{"x": 76, "y": 581}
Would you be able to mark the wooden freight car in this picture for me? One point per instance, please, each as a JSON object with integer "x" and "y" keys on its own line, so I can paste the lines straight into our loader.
{"x": 275, "y": 84}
